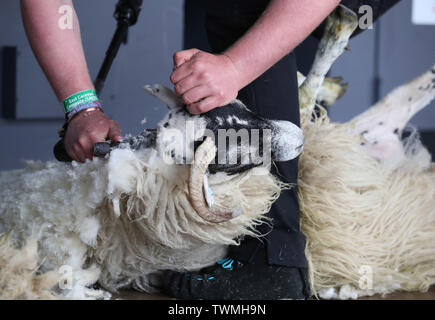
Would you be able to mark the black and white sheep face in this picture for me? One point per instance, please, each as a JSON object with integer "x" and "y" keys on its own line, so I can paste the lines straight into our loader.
{"x": 243, "y": 139}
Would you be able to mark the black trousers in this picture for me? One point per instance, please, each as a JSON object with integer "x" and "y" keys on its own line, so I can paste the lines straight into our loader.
{"x": 273, "y": 95}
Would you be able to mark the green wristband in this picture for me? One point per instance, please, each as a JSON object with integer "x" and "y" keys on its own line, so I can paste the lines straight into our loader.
{"x": 79, "y": 98}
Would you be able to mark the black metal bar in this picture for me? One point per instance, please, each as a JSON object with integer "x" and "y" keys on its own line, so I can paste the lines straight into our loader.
{"x": 111, "y": 53}
{"x": 377, "y": 80}
{"x": 9, "y": 82}
{"x": 126, "y": 13}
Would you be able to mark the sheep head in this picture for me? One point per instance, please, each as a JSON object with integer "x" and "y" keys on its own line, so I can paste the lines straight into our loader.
{"x": 201, "y": 141}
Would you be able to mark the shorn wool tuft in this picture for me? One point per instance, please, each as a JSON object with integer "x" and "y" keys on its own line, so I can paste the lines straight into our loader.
{"x": 18, "y": 267}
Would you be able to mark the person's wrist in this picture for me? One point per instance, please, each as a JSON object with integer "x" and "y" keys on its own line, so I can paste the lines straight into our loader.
{"x": 83, "y": 113}
{"x": 238, "y": 74}
{"x": 83, "y": 101}
{"x": 79, "y": 98}
{"x": 83, "y": 108}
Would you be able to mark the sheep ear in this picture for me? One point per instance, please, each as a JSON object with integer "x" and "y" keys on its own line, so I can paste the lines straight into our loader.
{"x": 165, "y": 95}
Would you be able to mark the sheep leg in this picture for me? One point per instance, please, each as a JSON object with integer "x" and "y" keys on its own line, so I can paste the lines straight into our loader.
{"x": 339, "y": 27}
{"x": 382, "y": 124}
{"x": 399, "y": 106}
{"x": 331, "y": 90}
{"x": 165, "y": 95}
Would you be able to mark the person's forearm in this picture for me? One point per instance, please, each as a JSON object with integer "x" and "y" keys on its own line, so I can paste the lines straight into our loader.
{"x": 283, "y": 25}
{"x": 205, "y": 81}
{"x": 59, "y": 51}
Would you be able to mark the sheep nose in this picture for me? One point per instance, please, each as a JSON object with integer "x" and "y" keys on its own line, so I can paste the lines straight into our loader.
{"x": 287, "y": 140}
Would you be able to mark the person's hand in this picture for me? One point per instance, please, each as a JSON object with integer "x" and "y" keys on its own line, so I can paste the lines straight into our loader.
{"x": 87, "y": 128}
{"x": 203, "y": 80}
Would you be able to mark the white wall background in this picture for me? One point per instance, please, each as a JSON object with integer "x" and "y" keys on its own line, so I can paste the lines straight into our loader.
{"x": 406, "y": 50}
{"x": 146, "y": 59}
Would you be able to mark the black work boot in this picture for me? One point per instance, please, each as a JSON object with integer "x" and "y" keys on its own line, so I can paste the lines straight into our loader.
{"x": 231, "y": 279}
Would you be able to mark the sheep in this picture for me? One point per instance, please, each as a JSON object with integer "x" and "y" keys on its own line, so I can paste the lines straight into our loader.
{"x": 368, "y": 209}
{"x": 120, "y": 221}
{"x": 367, "y": 196}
